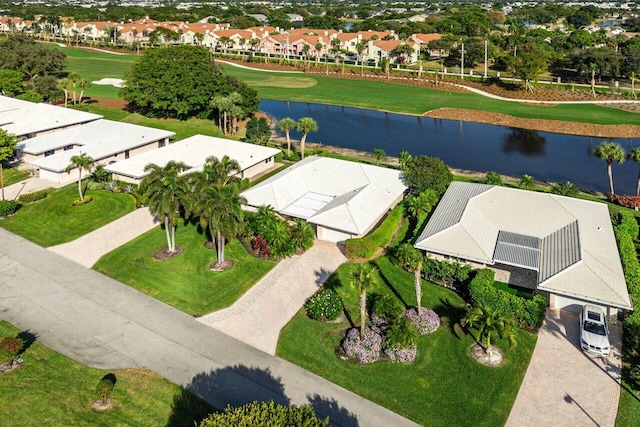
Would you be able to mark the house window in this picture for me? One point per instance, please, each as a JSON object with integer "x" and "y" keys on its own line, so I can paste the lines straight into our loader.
{"x": 68, "y": 147}
{"x": 268, "y": 160}
{"x": 49, "y": 153}
{"x": 161, "y": 143}
{"x": 126, "y": 154}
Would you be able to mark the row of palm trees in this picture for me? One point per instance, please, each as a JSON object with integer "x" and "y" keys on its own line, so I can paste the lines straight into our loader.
{"x": 73, "y": 83}
{"x": 305, "y": 125}
{"x": 229, "y": 111}
{"x": 610, "y": 152}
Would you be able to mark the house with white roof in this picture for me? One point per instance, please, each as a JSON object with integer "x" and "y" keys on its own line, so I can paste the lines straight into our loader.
{"x": 105, "y": 141}
{"x": 194, "y": 151}
{"x": 7, "y": 103}
{"x": 565, "y": 246}
{"x": 39, "y": 119}
{"x": 341, "y": 199}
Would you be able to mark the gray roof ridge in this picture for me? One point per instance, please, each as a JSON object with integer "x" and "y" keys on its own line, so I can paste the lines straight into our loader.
{"x": 595, "y": 259}
{"x": 479, "y": 211}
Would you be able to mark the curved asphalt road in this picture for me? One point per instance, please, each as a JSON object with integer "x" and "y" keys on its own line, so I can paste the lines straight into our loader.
{"x": 102, "y": 323}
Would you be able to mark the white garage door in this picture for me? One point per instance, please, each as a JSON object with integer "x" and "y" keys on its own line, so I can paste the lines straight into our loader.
{"x": 569, "y": 304}
{"x": 331, "y": 235}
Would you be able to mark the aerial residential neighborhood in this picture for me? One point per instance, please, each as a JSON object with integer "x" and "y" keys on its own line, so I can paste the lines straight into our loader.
{"x": 311, "y": 213}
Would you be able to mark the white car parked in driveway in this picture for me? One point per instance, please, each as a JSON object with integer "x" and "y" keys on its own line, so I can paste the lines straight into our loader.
{"x": 594, "y": 333}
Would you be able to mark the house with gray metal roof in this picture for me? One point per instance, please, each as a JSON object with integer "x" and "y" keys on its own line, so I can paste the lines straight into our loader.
{"x": 566, "y": 245}
{"x": 340, "y": 199}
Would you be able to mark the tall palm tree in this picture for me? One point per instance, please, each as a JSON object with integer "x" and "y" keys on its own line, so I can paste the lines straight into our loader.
{"x": 221, "y": 172}
{"x": 83, "y": 84}
{"x": 82, "y": 161}
{"x": 285, "y": 125}
{"x": 235, "y": 110}
{"x": 166, "y": 190}
{"x": 222, "y": 104}
{"x": 411, "y": 259}
{"x": 64, "y": 85}
{"x": 610, "y": 152}
{"x": 491, "y": 322}
{"x": 305, "y": 125}
{"x": 318, "y": 48}
{"x": 360, "y": 48}
{"x": 362, "y": 278}
{"x": 8, "y": 144}
{"x": 635, "y": 156}
{"x": 74, "y": 79}
{"x": 527, "y": 182}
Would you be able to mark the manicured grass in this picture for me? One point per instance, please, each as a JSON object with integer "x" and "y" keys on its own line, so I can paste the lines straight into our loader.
{"x": 407, "y": 99}
{"x": 54, "y": 220}
{"x": 629, "y": 406}
{"x": 184, "y": 282}
{"x": 514, "y": 290}
{"x": 13, "y": 175}
{"x": 50, "y": 389}
{"x": 444, "y": 387}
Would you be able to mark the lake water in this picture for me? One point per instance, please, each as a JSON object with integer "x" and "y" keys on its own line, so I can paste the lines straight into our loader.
{"x": 465, "y": 145}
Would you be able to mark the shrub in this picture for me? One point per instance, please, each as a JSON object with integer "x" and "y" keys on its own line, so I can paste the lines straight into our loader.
{"x": 626, "y": 231}
{"x": 445, "y": 273}
{"x": 387, "y": 307}
{"x": 94, "y": 185}
{"x": 80, "y": 202}
{"x": 492, "y": 178}
{"x": 628, "y": 201}
{"x": 402, "y": 355}
{"x": 425, "y": 173}
{"x": 324, "y": 305}
{"x": 32, "y": 197}
{"x": 261, "y": 246}
{"x": 482, "y": 292}
{"x": 10, "y": 347}
{"x": 567, "y": 188}
{"x": 427, "y": 323}
{"x": 8, "y": 207}
{"x": 104, "y": 388}
{"x": 365, "y": 247}
{"x": 401, "y": 333}
{"x": 366, "y": 350}
{"x": 265, "y": 414}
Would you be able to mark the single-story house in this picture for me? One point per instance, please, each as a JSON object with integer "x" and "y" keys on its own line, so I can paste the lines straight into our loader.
{"x": 565, "y": 246}
{"x": 39, "y": 119}
{"x": 7, "y": 103}
{"x": 105, "y": 141}
{"x": 341, "y": 199}
{"x": 193, "y": 151}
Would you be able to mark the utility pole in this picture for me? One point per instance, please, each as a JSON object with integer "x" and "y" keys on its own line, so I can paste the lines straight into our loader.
{"x": 486, "y": 43}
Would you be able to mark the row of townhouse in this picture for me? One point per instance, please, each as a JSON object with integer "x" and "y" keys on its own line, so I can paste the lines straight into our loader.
{"x": 310, "y": 43}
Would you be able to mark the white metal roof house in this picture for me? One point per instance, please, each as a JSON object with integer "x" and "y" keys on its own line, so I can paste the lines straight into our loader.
{"x": 568, "y": 244}
{"x": 342, "y": 199}
{"x": 193, "y": 151}
{"x": 7, "y": 103}
{"x": 38, "y": 119}
{"x": 105, "y": 141}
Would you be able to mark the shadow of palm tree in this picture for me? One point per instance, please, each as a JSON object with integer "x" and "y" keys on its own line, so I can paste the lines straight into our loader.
{"x": 387, "y": 282}
{"x": 322, "y": 276}
{"x": 330, "y": 407}
{"x": 28, "y": 338}
{"x": 452, "y": 313}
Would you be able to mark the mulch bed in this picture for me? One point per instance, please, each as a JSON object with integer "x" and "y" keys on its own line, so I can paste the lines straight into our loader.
{"x": 164, "y": 254}
{"x": 216, "y": 266}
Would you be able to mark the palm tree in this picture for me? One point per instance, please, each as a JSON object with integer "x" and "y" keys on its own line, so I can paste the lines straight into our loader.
{"x": 305, "y": 125}
{"x": 360, "y": 48}
{"x": 362, "y": 279}
{"x": 74, "y": 79}
{"x": 222, "y": 104}
{"x": 83, "y": 161}
{"x": 404, "y": 158}
{"x": 318, "y": 48}
{"x": 411, "y": 259}
{"x": 285, "y": 125}
{"x": 221, "y": 172}
{"x": 635, "y": 156}
{"x": 566, "y": 188}
{"x": 166, "y": 189}
{"x": 491, "y": 322}
{"x": 610, "y": 152}
{"x": 302, "y": 234}
{"x": 421, "y": 204}
{"x": 8, "y": 144}
{"x": 235, "y": 110}
{"x": 83, "y": 83}
{"x": 378, "y": 154}
{"x": 527, "y": 182}
{"x": 64, "y": 85}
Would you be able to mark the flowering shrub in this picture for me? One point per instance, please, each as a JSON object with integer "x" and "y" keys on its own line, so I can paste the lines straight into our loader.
{"x": 629, "y": 201}
{"x": 260, "y": 245}
{"x": 366, "y": 350}
{"x": 402, "y": 355}
{"x": 10, "y": 347}
{"x": 427, "y": 323}
{"x": 378, "y": 321}
{"x": 324, "y": 305}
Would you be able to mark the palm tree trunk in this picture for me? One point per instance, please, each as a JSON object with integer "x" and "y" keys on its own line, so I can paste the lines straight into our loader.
{"x": 173, "y": 238}
{"x": 302, "y": 141}
{"x": 610, "y": 178}
{"x": 167, "y": 232}
{"x": 80, "y": 183}
{"x": 417, "y": 274}
{"x": 66, "y": 98}
{"x": 288, "y": 143}
{"x": 593, "y": 83}
{"x": 363, "y": 313}
{"x": 489, "y": 350}
{"x": 224, "y": 130}
{"x": 220, "y": 239}
{"x": 2, "y": 180}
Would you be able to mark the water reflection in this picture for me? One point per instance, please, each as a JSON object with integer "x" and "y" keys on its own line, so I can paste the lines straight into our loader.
{"x": 528, "y": 142}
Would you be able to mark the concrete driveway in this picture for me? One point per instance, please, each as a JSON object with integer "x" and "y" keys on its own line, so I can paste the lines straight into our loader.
{"x": 564, "y": 386}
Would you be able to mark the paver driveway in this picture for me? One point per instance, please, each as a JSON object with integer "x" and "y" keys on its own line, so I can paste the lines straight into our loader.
{"x": 565, "y": 387}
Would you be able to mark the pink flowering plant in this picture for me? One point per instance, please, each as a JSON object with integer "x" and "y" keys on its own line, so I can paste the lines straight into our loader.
{"x": 427, "y": 323}
{"x": 365, "y": 350}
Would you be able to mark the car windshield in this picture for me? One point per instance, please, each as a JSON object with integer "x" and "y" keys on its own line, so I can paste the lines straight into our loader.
{"x": 594, "y": 328}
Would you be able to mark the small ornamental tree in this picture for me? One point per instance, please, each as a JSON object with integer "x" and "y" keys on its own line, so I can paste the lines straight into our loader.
{"x": 80, "y": 162}
{"x": 258, "y": 131}
{"x": 104, "y": 389}
{"x": 490, "y": 323}
{"x": 9, "y": 348}
{"x": 424, "y": 173}
{"x": 378, "y": 155}
{"x": 265, "y": 414}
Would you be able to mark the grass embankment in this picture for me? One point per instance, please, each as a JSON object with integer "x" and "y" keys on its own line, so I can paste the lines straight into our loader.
{"x": 444, "y": 387}
{"x": 50, "y": 389}
{"x": 54, "y": 220}
{"x": 184, "y": 282}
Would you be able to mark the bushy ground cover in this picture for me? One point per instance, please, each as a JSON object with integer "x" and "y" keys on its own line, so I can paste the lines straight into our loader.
{"x": 184, "y": 282}
{"x": 443, "y": 387}
{"x": 54, "y": 220}
{"x": 51, "y": 389}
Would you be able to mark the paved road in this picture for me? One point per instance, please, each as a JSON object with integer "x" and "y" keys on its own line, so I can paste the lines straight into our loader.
{"x": 565, "y": 387}
{"x": 88, "y": 249}
{"x": 267, "y": 307}
{"x": 103, "y": 323}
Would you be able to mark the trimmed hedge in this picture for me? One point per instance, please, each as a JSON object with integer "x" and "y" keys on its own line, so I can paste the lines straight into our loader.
{"x": 365, "y": 247}
{"x": 8, "y": 207}
{"x": 265, "y": 414}
{"x": 32, "y": 197}
{"x": 530, "y": 312}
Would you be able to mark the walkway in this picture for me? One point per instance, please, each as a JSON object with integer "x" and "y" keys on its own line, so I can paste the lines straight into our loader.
{"x": 28, "y": 185}
{"x": 88, "y": 249}
{"x": 102, "y": 323}
{"x": 267, "y": 307}
{"x": 565, "y": 387}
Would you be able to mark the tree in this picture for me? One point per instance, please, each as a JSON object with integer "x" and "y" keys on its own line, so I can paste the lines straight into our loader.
{"x": 361, "y": 46}
{"x": 305, "y": 125}
{"x": 411, "y": 259}
{"x": 404, "y": 158}
{"x": 635, "y": 156}
{"x": 302, "y": 234}
{"x": 285, "y": 125}
{"x": 566, "y": 188}
{"x": 166, "y": 189}
{"x": 222, "y": 104}
{"x": 362, "y": 278}
{"x": 11, "y": 83}
{"x": 421, "y": 204}
{"x": 378, "y": 155}
{"x": 64, "y": 85}
{"x": 30, "y": 58}
{"x": 220, "y": 172}
{"x": 402, "y": 52}
{"x": 527, "y": 182}
{"x": 425, "y": 173}
{"x": 8, "y": 144}
{"x": 80, "y": 162}
{"x": 490, "y": 323}
{"x": 530, "y": 63}
{"x": 610, "y": 152}
{"x": 258, "y": 131}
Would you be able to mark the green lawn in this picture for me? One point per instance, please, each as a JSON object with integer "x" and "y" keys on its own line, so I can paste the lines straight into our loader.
{"x": 444, "y": 387}
{"x": 13, "y": 175}
{"x": 50, "y": 389}
{"x": 54, "y": 220}
{"x": 628, "y": 407}
{"x": 185, "y": 282}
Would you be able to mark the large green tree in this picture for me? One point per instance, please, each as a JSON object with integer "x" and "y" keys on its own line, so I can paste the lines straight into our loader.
{"x": 30, "y": 58}
{"x": 11, "y": 83}
{"x": 424, "y": 173}
{"x": 80, "y": 162}
{"x": 610, "y": 152}
{"x": 8, "y": 144}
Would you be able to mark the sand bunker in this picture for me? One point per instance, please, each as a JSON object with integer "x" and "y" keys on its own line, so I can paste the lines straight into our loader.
{"x": 109, "y": 81}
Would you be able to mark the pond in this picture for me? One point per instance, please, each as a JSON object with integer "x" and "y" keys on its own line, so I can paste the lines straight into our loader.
{"x": 479, "y": 147}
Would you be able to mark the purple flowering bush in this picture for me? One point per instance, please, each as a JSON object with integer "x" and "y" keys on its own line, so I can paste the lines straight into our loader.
{"x": 378, "y": 321}
{"x": 402, "y": 355}
{"x": 365, "y": 350}
{"x": 427, "y": 323}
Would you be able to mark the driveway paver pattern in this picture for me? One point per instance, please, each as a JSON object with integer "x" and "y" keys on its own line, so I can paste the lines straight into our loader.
{"x": 565, "y": 387}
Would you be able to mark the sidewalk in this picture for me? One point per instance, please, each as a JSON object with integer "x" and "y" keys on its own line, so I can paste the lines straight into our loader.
{"x": 28, "y": 185}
